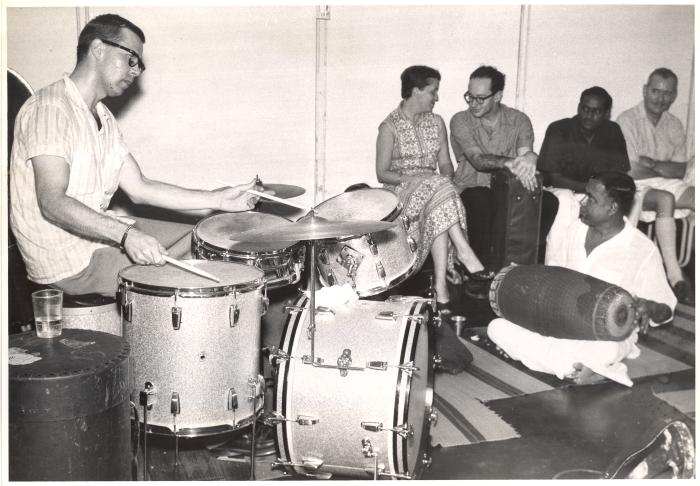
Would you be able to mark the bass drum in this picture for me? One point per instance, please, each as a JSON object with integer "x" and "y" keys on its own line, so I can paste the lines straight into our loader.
{"x": 364, "y": 408}
{"x": 195, "y": 345}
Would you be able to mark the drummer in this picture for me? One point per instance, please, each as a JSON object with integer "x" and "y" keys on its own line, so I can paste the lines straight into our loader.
{"x": 68, "y": 159}
{"x": 604, "y": 245}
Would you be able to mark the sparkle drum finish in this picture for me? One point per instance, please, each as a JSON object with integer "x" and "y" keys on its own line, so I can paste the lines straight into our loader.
{"x": 282, "y": 262}
{"x": 562, "y": 303}
{"x": 197, "y": 343}
{"x": 373, "y": 373}
{"x": 371, "y": 263}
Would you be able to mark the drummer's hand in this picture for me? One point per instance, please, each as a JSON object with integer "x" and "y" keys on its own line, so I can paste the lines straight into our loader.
{"x": 234, "y": 199}
{"x": 144, "y": 249}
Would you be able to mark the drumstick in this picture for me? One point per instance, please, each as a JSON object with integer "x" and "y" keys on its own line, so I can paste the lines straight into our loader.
{"x": 271, "y": 197}
{"x": 190, "y": 268}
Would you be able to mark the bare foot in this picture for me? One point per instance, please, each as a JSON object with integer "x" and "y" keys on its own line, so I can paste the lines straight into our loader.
{"x": 582, "y": 375}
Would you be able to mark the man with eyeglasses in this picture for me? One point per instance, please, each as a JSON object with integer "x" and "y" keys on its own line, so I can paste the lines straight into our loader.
{"x": 656, "y": 145}
{"x": 486, "y": 137}
{"x": 602, "y": 244}
{"x": 68, "y": 159}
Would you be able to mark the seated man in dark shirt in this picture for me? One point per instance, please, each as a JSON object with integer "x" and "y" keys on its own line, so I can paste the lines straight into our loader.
{"x": 576, "y": 148}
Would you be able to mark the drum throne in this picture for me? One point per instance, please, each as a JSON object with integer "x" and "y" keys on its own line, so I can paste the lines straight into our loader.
{"x": 88, "y": 311}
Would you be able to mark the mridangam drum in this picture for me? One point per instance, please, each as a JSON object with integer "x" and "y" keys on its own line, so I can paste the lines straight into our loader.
{"x": 562, "y": 303}
{"x": 281, "y": 262}
{"x": 364, "y": 407}
{"x": 370, "y": 263}
{"x": 195, "y": 345}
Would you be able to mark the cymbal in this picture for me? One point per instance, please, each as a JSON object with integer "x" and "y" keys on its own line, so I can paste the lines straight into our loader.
{"x": 284, "y": 191}
{"x": 313, "y": 228}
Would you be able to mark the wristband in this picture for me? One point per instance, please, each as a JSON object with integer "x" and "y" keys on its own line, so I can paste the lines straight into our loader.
{"x": 126, "y": 233}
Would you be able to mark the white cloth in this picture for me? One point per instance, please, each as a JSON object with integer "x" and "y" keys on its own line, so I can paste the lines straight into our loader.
{"x": 335, "y": 295}
{"x": 56, "y": 121}
{"x": 557, "y": 356}
{"x": 629, "y": 260}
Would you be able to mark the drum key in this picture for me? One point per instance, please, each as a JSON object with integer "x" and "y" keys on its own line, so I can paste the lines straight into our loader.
{"x": 405, "y": 431}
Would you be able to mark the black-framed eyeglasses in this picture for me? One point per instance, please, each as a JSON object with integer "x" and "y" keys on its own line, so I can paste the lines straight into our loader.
{"x": 470, "y": 98}
{"x": 134, "y": 58}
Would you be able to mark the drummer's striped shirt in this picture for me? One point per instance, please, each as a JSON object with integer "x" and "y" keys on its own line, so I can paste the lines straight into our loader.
{"x": 56, "y": 121}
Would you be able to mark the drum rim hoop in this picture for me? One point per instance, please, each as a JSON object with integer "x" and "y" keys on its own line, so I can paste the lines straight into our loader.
{"x": 197, "y": 292}
{"x": 391, "y": 216}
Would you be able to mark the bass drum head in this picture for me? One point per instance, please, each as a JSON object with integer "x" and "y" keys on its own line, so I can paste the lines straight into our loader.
{"x": 169, "y": 277}
{"x": 216, "y": 231}
{"x": 378, "y": 204}
{"x": 397, "y": 398}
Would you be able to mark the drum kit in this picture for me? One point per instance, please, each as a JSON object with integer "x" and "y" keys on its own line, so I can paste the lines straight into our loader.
{"x": 353, "y": 384}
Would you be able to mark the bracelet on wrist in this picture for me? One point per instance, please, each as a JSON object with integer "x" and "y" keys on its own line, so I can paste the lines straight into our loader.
{"x": 126, "y": 233}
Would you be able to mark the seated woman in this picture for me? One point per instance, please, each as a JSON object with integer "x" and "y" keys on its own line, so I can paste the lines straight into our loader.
{"x": 411, "y": 145}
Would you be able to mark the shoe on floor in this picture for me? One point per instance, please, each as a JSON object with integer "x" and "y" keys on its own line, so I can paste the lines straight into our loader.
{"x": 684, "y": 292}
{"x": 476, "y": 289}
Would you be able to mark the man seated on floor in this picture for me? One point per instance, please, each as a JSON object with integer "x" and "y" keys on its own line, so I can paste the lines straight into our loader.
{"x": 603, "y": 245}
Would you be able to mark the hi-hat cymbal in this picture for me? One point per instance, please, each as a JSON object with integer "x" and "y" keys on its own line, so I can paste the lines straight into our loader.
{"x": 284, "y": 191}
{"x": 313, "y": 228}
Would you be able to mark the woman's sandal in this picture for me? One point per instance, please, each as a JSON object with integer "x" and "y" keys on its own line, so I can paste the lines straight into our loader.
{"x": 480, "y": 276}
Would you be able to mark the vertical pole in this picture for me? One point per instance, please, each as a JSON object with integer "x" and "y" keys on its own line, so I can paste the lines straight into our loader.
{"x": 82, "y": 17}
{"x": 522, "y": 57}
{"x": 323, "y": 14}
{"x": 690, "y": 121}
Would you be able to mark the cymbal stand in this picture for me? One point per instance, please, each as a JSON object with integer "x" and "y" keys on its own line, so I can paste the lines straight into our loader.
{"x": 312, "y": 300}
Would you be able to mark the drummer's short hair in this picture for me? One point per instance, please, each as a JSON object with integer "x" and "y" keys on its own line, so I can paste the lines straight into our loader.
{"x": 416, "y": 77}
{"x": 620, "y": 187}
{"x": 105, "y": 26}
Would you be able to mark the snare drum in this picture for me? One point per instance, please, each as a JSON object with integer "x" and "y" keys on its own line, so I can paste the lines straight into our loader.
{"x": 365, "y": 406}
{"x": 371, "y": 263}
{"x": 281, "y": 262}
{"x": 195, "y": 345}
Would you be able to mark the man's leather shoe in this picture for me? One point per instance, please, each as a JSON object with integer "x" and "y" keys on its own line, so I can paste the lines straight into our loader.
{"x": 684, "y": 292}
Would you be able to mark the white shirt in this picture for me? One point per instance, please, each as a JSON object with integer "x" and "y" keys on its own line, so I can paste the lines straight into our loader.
{"x": 56, "y": 121}
{"x": 629, "y": 259}
{"x": 664, "y": 141}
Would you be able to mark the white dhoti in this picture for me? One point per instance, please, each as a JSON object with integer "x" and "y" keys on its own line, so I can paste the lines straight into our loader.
{"x": 557, "y": 356}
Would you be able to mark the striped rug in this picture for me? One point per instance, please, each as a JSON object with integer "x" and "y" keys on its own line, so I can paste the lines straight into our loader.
{"x": 464, "y": 417}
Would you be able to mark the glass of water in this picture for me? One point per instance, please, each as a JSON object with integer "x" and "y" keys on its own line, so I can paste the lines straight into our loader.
{"x": 48, "y": 306}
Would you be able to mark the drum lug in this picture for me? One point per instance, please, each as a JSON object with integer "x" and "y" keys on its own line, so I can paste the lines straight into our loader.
{"x": 412, "y": 245}
{"x": 405, "y": 430}
{"x": 350, "y": 259}
{"x": 406, "y": 222}
{"x": 234, "y": 313}
{"x": 175, "y": 403}
{"x": 176, "y": 317}
{"x": 433, "y": 415}
{"x": 437, "y": 360}
{"x": 372, "y": 244}
{"x": 427, "y": 460}
{"x": 275, "y": 418}
{"x": 124, "y": 303}
{"x": 323, "y": 256}
{"x": 231, "y": 400}
{"x": 393, "y": 316}
{"x": 367, "y": 448}
{"x": 265, "y": 304}
{"x": 294, "y": 308}
{"x": 380, "y": 270}
{"x": 257, "y": 387}
{"x": 377, "y": 365}
{"x": 126, "y": 311}
{"x": 344, "y": 362}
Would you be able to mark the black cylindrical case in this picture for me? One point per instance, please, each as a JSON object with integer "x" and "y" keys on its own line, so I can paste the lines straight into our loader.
{"x": 69, "y": 413}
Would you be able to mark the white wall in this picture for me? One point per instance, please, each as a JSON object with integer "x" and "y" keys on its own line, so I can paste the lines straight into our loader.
{"x": 229, "y": 91}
